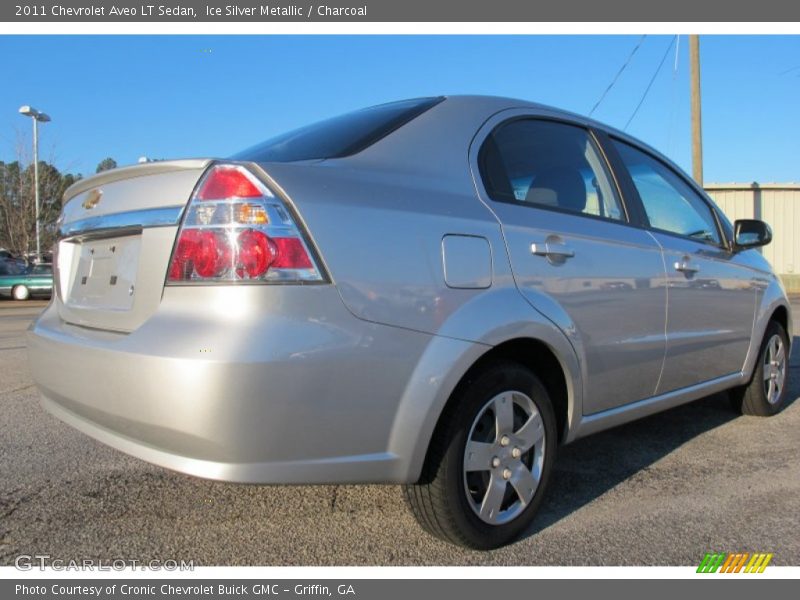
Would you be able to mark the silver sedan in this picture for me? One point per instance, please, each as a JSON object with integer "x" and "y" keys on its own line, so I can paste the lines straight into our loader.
{"x": 435, "y": 292}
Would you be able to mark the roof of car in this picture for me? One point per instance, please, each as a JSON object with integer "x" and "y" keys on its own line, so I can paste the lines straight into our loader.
{"x": 499, "y": 103}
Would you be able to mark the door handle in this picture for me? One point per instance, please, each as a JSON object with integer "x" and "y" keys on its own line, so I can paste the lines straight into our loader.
{"x": 684, "y": 266}
{"x": 552, "y": 250}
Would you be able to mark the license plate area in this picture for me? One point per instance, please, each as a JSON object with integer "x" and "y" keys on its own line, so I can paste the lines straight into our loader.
{"x": 105, "y": 276}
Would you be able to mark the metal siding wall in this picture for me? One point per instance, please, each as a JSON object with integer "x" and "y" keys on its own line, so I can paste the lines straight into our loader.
{"x": 790, "y": 242}
{"x": 780, "y": 207}
{"x": 770, "y": 209}
{"x": 736, "y": 204}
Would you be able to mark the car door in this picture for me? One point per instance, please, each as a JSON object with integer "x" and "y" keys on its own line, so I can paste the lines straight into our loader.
{"x": 576, "y": 254}
{"x": 711, "y": 298}
{"x": 5, "y": 278}
{"x": 40, "y": 278}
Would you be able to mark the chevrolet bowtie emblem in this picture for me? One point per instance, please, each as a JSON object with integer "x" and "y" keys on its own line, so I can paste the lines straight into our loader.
{"x": 92, "y": 199}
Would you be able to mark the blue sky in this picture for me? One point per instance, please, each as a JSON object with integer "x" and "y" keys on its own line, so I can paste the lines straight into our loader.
{"x": 181, "y": 96}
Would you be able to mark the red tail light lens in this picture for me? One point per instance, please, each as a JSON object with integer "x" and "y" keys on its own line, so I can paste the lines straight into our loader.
{"x": 236, "y": 229}
{"x": 256, "y": 253}
{"x": 227, "y": 182}
{"x": 205, "y": 253}
{"x": 291, "y": 254}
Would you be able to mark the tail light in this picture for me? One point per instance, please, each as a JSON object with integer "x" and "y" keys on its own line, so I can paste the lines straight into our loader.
{"x": 236, "y": 229}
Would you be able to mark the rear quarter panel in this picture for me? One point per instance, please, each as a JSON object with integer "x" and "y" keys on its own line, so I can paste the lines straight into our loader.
{"x": 380, "y": 235}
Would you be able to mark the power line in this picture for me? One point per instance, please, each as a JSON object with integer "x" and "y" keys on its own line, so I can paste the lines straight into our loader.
{"x": 673, "y": 98}
{"x": 621, "y": 69}
{"x": 652, "y": 79}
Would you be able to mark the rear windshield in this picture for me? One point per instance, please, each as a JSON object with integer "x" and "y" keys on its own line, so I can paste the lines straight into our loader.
{"x": 340, "y": 136}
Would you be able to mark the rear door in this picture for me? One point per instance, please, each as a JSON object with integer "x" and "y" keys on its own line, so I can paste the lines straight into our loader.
{"x": 576, "y": 254}
{"x": 40, "y": 279}
{"x": 711, "y": 298}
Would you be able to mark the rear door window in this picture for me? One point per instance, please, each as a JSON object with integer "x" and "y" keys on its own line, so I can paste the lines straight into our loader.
{"x": 547, "y": 164}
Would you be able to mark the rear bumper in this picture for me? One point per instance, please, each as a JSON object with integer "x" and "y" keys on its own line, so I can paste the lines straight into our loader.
{"x": 258, "y": 384}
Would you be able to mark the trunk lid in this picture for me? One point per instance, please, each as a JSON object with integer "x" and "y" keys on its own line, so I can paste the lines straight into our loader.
{"x": 117, "y": 231}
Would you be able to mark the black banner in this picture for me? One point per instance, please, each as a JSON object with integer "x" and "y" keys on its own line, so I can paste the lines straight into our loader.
{"x": 400, "y": 11}
{"x": 389, "y": 589}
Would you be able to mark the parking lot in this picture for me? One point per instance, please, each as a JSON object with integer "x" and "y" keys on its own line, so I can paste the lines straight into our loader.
{"x": 662, "y": 491}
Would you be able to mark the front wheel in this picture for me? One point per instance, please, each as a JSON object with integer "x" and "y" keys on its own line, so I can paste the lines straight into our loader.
{"x": 20, "y": 292}
{"x": 766, "y": 393}
{"x": 489, "y": 460}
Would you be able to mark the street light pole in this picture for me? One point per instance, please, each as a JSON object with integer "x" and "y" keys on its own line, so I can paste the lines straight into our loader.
{"x": 37, "y": 116}
{"x": 36, "y": 185}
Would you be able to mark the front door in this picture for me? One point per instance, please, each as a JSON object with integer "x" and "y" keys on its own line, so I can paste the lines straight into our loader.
{"x": 711, "y": 298}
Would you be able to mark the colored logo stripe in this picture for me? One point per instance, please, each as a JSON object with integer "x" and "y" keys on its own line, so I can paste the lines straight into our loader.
{"x": 734, "y": 562}
{"x": 711, "y": 562}
{"x": 758, "y": 563}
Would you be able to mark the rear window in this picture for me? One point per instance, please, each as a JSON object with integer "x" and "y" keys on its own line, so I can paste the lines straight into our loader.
{"x": 340, "y": 136}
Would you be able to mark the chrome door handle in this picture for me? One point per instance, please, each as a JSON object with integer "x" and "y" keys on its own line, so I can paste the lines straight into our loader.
{"x": 552, "y": 250}
{"x": 684, "y": 266}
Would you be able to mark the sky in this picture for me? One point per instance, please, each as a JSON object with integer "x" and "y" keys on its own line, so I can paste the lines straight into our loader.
{"x": 188, "y": 96}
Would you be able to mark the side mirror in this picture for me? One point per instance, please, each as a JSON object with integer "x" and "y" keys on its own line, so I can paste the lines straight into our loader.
{"x": 751, "y": 233}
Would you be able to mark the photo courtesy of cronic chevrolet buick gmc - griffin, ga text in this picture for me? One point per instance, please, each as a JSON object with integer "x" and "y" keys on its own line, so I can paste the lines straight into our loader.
{"x": 434, "y": 292}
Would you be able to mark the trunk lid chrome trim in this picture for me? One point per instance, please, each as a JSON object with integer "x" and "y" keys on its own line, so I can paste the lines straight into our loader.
{"x": 117, "y": 224}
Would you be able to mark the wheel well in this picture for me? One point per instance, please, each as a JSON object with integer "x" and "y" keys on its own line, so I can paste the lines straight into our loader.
{"x": 539, "y": 358}
{"x": 781, "y": 315}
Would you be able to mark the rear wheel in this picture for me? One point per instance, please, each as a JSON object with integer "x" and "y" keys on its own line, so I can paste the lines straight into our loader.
{"x": 489, "y": 460}
{"x": 766, "y": 393}
{"x": 20, "y": 292}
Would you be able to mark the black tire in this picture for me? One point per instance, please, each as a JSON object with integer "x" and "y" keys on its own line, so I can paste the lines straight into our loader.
{"x": 440, "y": 500}
{"x": 753, "y": 398}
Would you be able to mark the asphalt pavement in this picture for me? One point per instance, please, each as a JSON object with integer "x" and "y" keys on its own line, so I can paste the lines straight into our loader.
{"x": 661, "y": 491}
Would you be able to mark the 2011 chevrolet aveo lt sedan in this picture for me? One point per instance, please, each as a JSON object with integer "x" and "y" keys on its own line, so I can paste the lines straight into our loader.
{"x": 435, "y": 292}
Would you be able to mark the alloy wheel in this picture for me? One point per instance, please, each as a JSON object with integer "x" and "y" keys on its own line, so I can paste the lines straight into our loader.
{"x": 503, "y": 457}
{"x": 774, "y": 369}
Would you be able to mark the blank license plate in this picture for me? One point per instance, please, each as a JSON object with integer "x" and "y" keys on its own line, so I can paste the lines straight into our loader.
{"x": 106, "y": 274}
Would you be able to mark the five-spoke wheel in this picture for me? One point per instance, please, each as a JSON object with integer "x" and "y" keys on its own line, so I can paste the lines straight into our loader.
{"x": 489, "y": 459}
{"x": 766, "y": 394}
{"x": 774, "y": 371}
{"x": 503, "y": 457}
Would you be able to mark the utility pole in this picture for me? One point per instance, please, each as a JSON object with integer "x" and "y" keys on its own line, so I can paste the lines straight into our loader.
{"x": 697, "y": 125}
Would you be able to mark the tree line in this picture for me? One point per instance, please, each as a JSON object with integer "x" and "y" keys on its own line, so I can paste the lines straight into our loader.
{"x": 18, "y": 204}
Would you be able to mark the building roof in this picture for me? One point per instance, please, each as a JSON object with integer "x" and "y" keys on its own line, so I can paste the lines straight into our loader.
{"x": 753, "y": 185}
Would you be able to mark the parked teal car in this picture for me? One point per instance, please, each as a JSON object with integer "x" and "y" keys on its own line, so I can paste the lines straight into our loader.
{"x": 22, "y": 284}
